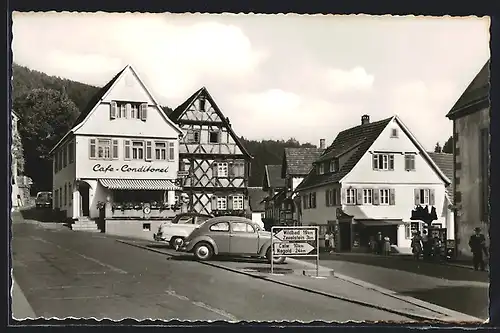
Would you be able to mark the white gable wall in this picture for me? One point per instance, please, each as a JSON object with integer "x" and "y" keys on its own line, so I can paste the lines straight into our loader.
{"x": 127, "y": 88}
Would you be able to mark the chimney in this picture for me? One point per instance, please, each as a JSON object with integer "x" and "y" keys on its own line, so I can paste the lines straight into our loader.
{"x": 322, "y": 144}
{"x": 365, "y": 119}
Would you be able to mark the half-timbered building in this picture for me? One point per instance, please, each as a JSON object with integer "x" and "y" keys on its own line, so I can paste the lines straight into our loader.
{"x": 215, "y": 162}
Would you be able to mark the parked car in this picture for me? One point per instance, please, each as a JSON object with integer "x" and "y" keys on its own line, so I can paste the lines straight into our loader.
{"x": 43, "y": 200}
{"x": 229, "y": 235}
{"x": 180, "y": 227}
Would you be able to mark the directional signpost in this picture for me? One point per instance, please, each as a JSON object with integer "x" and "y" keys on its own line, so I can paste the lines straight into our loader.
{"x": 295, "y": 242}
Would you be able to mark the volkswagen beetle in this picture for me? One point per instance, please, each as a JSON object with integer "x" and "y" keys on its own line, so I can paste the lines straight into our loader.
{"x": 229, "y": 235}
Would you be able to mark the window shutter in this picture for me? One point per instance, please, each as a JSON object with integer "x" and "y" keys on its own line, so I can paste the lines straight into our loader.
{"x": 149, "y": 150}
{"x": 416, "y": 195}
{"x": 230, "y": 202}
{"x": 171, "y": 150}
{"x": 92, "y": 150}
{"x": 375, "y": 162}
{"x": 115, "y": 149}
{"x": 126, "y": 147}
{"x": 392, "y": 196}
{"x": 128, "y": 110}
{"x": 214, "y": 202}
{"x": 343, "y": 198}
{"x": 359, "y": 196}
{"x": 144, "y": 111}
{"x": 376, "y": 199}
{"x": 214, "y": 169}
{"x": 327, "y": 198}
{"x": 112, "y": 110}
{"x": 231, "y": 167}
{"x": 407, "y": 162}
{"x": 431, "y": 197}
{"x": 391, "y": 162}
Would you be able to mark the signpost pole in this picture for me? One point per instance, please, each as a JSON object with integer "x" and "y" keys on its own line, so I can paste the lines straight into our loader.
{"x": 272, "y": 251}
{"x": 317, "y": 251}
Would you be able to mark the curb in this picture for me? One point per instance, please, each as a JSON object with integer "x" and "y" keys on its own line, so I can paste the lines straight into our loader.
{"x": 292, "y": 285}
{"x": 408, "y": 299}
{"x": 21, "y": 308}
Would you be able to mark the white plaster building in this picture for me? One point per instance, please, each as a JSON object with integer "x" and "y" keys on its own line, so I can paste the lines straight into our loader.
{"x": 370, "y": 179}
{"x": 123, "y": 149}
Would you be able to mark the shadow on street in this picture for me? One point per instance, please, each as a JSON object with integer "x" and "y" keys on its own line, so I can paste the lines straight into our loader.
{"x": 476, "y": 303}
{"x": 38, "y": 214}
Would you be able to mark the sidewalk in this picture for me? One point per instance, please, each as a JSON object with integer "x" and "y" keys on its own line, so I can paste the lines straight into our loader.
{"x": 21, "y": 309}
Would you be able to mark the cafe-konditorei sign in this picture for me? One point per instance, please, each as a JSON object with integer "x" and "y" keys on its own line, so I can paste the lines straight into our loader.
{"x": 128, "y": 169}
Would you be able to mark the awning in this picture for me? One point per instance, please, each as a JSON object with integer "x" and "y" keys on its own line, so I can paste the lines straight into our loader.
{"x": 377, "y": 223}
{"x": 139, "y": 184}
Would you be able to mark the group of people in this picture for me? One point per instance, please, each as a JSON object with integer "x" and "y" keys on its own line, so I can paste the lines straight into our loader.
{"x": 330, "y": 241}
{"x": 380, "y": 244}
{"x": 426, "y": 246}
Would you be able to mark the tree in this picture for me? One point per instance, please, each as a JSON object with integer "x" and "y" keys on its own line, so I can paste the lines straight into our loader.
{"x": 438, "y": 148}
{"x": 46, "y": 115}
{"x": 448, "y": 146}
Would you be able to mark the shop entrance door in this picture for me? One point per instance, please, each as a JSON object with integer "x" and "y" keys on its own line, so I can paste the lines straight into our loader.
{"x": 84, "y": 190}
{"x": 345, "y": 236}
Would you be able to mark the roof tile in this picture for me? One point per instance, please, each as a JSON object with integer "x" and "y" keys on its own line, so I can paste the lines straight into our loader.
{"x": 299, "y": 160}
{"x": 273, "y": 176}
{"x": 445, "y": 162}
{"x": 256, "y": 196}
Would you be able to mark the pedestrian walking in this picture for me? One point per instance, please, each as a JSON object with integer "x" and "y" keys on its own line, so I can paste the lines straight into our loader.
{"x": 332, "y": 242}
{"x": 387, "y": 246}
{"x": 416, "y": 245}
{"x": 380, "y": 243}
{"x": 19, "y": 201}
{"x": 477, "y": 244}
{"x": 327, "y": 241}
{"x": 425, "y": 245}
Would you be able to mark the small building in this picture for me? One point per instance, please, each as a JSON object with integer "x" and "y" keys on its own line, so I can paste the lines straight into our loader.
{"x": 212, "y": 159}
{"x": 272, "y": 184}
{"x": 256, "y": 197}
{"x": 471, "y": 152}
{"x": 369, "y": 180}
{"x": 296, "y": 165}
{"x": 118, "y": 163}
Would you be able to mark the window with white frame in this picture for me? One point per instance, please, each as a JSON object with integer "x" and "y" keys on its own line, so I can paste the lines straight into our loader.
{"x": 100, "y": 149}
{"x": 222, "y": 170}
{"x": 383, "y": 161}
{"x": 134, "y": 111}
{"x": 221, "y": 203}
{"x": 193, "y": 136}
{"x": 137, "y": 150}
{"x": 321, "y": 167}
{"x": 410, "y": 162}
{"x": 238, "y": 202}
{"x": 160, "y": 151}
{"x": 384, "y": 196}
{"x": 424, "y": 196}
{"x": 122, "y": 110}
{"x": 350, "y": 196}
{"x": 333, "y": 165}
{"x": 367, "y": 196}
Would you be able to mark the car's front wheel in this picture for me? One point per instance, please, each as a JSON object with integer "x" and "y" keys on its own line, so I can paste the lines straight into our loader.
{"x": 203, "y": 251}
{"x": 278, "y": 260}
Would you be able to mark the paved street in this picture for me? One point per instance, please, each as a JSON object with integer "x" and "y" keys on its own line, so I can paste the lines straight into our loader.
{"x": 457, "y": 288}
{"x": 64, "y": 273}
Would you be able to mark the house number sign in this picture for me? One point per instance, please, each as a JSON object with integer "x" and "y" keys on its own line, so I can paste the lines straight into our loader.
{"x": 127, "y": 169}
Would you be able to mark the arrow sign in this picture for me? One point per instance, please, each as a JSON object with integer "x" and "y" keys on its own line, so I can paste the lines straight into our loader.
{"x": 288, "y": 235}
{"x": 292, "y": 248}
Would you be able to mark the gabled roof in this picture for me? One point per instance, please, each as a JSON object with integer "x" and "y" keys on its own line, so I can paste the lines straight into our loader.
{"x": 358, "y": 140}
{"x": 298, "y": 161}
{"x": 476, "y": 94}
{"x": 100, "y": 95}
{"x": 272, "y": 177}
{"x": 176, "y": 115}
{"x": 445, "y": 162}
{"x": 256, "y": 195}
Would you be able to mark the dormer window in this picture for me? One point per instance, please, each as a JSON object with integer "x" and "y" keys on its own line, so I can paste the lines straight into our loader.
{"x": 321, "y": 168}
{"x": 394, "y": 133}
{"x": 334, "y": 167}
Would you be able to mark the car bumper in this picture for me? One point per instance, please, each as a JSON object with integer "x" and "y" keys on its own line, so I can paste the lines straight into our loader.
{"x": 159, "y": 238}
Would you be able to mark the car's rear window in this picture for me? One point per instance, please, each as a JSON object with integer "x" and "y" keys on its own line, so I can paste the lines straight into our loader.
{"x": 44, "y": 196}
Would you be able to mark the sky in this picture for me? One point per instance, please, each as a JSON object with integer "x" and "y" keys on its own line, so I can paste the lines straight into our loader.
{"x": 274, "y": 76}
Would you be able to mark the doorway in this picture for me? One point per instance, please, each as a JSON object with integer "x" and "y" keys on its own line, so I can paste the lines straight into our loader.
{"x": 345, "y": 236}
{"x": 84, "y": 190}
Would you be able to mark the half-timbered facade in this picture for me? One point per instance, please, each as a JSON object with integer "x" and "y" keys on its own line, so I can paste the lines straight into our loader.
{"x": 213, "y": 159}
